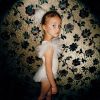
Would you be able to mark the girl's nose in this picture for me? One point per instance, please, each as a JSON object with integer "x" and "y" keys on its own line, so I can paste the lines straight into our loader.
{"x": 58, "y": 29}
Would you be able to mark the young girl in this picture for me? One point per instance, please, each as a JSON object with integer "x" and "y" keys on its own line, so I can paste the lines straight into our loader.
{"x": 49, "y": 51}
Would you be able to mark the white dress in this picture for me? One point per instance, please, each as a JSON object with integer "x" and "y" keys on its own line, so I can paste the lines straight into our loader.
{"x": 41, "y": 73}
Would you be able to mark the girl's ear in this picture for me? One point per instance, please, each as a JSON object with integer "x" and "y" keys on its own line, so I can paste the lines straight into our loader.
{"x": 44, "y": 27}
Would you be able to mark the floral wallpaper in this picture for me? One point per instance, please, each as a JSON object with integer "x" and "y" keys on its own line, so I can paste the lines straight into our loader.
{"x": 79, "y": 63}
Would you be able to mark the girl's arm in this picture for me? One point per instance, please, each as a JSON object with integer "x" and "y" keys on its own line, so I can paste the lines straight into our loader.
{"x": 48, "y": 63}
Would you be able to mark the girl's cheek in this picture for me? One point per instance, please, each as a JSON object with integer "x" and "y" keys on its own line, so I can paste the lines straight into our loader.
{"x": 49, "y": 28}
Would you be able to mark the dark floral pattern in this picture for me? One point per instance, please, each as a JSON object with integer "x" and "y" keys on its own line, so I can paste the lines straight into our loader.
{"x": 29, "y": 10}
{"x": 63, "y": 73}
{"x": 30, "y": 60}
{"x": 76, "y": 62}
{"x": 92, "y": 69}
{"x": 73, "y": 47}
{"x": 17, "y": 24}
{"x": 78, "y": 76}
{"x": 84, "y": 13}
{"x": 89, "y": 52}
{"x": 76, "y": 37}
{"x": 68, "y": 27}
{"x": 35, "y": 30}
{"x": 26, "y": 35}
{"x": 43, "y": 1}
{"x": 70, "y": 80}
{"x": 24, "y": 44}
{"x": 95, "y": 61}
{"x": 86, "y": 33}
{"x": 63, "y": 4}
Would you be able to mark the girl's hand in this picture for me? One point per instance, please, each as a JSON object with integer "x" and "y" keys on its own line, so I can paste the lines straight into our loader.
{"x": 54, "y": 90}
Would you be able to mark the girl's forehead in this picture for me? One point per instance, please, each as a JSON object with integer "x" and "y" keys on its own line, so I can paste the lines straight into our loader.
{"x": 53, "y": 19}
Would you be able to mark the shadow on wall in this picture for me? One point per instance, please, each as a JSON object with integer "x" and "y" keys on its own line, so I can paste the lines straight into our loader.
{"x": 5, "y": 6}
{"x": 93, "y": 6}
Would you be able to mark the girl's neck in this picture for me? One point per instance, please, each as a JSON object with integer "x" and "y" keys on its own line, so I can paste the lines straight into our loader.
{"x": 47, "y": 37}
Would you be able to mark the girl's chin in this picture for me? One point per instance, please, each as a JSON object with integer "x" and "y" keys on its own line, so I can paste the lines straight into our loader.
{"x": 56, "y": 36}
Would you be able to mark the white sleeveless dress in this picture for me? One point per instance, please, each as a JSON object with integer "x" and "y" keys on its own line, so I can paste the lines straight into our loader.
{"x": 41, "y": 73}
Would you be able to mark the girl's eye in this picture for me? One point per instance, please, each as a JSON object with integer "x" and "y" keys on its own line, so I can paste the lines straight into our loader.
{"x": 54, "y": 26}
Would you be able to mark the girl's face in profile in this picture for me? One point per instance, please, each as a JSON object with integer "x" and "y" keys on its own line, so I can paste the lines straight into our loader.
{"x": 52, "y": 26}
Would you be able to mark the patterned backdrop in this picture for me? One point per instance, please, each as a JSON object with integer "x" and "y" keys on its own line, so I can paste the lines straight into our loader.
{"x": 79, "y": 63}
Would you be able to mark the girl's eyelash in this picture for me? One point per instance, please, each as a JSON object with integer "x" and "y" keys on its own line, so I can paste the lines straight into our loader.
{"x": 58, "y": 26}
{"x": 53, "y": 25}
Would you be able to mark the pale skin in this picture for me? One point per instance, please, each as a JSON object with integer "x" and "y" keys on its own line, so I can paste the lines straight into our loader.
{"x": 52, "y": 30}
